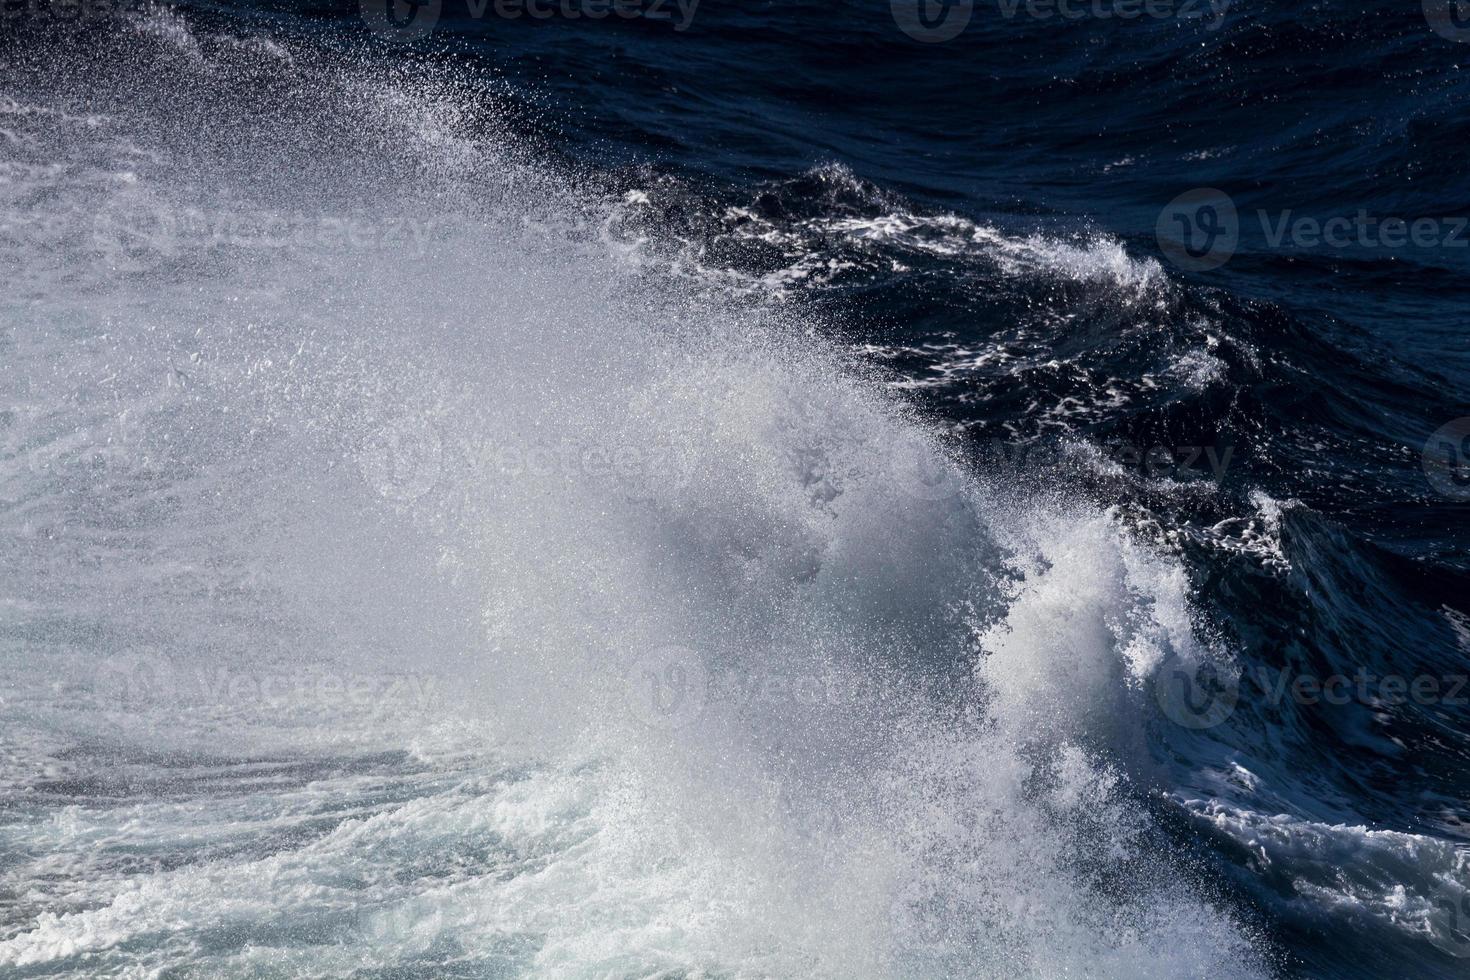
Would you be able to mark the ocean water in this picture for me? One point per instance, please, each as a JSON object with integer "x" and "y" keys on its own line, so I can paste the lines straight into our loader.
{"x": 734, "y": 491}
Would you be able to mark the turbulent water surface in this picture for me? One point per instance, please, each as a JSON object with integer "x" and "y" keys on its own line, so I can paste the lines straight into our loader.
{"x": 740, "y": 493}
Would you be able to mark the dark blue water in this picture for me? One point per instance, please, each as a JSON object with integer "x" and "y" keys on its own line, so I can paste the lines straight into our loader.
{"x": 978, "y": 218}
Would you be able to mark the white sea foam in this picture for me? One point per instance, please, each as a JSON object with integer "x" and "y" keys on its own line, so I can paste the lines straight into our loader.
{"x": 808, "y": 244}
{"x": 1411, "y": 883}
{"x": 509, "y": 465}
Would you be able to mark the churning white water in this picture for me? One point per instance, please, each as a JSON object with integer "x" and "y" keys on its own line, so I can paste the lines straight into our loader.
{"x": 399, "y": 578}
